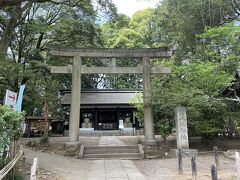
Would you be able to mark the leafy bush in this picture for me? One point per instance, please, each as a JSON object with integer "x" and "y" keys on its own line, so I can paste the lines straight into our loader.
{"x": 44, "y": 140}
{"x": 164, "y": 128}
{"x": 137, "y": 101}
{"x": 10, "y": 130}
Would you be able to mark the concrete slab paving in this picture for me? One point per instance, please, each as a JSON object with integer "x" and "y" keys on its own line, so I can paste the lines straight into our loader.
{"x": 110, "y": 141}
{"x": 114, "y": 169}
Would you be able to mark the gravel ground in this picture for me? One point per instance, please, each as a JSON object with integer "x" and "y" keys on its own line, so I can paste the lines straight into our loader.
{"x": 167, "y": 169}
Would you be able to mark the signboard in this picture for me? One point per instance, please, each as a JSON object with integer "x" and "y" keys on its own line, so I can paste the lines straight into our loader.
{"x": 121, "y": 124}
{"x": 10, "y": 99}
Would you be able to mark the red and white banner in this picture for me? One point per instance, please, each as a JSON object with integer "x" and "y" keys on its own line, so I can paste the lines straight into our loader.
{"x": 10, "y": 99}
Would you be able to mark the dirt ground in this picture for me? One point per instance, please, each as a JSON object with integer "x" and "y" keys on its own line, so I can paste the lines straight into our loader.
{"x": 198, "y": 143}
{"x": 156, "y": 169}
{"x": 24, "y": 170}
{"x": 56, "y": 144}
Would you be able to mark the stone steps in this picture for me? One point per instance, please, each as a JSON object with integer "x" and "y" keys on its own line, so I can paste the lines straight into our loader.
{"x": 111, "y": 152}
{"x": 99, "y": 133}
{"x": 109, "y": 147}
{"x": 112, "y": 156}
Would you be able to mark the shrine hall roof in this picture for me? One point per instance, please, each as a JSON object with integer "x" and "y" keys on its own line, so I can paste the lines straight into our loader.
{"x": 102, "y": 97}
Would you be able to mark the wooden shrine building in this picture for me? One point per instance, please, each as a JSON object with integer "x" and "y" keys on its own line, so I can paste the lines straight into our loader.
{"x": 102, "y": 109}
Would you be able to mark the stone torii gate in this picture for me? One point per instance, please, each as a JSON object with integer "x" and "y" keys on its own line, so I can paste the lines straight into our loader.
{"x": 77, "y": 69}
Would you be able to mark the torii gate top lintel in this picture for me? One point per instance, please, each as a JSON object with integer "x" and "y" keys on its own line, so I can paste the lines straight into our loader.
{"x": 163, "y": 52}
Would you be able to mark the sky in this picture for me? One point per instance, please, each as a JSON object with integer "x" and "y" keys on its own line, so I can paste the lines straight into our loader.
{"x": 129, "y": 7}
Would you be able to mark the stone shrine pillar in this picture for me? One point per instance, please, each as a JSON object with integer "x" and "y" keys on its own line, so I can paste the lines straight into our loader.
{"x": 147, "y": 101}
{"x": 181, "y": 128}
{"x": 75, "y": 101}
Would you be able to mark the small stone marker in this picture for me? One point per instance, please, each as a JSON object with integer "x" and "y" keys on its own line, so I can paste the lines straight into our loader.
{"x": 238, "y": 165}
{"x": 33, "y": 175}
{"x": 181, "y": 127}
{"x": 215, "y": 150}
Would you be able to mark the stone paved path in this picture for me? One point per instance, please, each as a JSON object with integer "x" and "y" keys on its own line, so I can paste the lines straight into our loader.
{"x": 114, "y": 169}
{"x": 110, "y": 141}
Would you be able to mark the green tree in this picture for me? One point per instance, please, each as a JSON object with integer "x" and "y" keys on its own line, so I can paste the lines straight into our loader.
{"x": 180, "y": 21}
{"x": 123, "y": 32}
{"x": 47, "y": 24}
{"x": 196, "y": 86}
{"x": 220, "y": 44}
{"x": 111, "y": 29}
{"x": 10, "y": 130}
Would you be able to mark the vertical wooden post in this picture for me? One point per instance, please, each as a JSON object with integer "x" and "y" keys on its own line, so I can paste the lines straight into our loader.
{"x": 238, "y": 165}
{"x": 180, "y": 168}
{"x": 23, "y": 163}
{"x": 194, "y": 168}
{"x": 12, "y": 173}
{"x": 215, "y": 149}
{"x": 214, "y": 172}
{"x": 96, "y": 119}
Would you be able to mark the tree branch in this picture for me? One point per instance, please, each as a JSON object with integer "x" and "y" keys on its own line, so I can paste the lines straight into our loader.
{"x": 5, "y": 3}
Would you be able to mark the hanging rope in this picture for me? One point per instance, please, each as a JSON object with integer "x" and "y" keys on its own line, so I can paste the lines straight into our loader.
{"x": 198, "y": 163}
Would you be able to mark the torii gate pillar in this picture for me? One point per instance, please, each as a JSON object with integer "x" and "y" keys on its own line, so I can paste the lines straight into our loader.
{"x": 75, "y": 100}
{"x": 147, "y": 101}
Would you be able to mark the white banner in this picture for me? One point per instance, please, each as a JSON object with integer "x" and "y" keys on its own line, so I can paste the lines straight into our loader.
{"x": 10, "y": 99}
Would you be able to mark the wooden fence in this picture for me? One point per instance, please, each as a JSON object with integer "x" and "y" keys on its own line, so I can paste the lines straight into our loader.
{"x": 10, "y": 165}
{"x": 212, "y": 170}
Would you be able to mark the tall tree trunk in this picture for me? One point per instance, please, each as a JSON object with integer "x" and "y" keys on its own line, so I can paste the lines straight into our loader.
{"x": 8, "y": 31}
{"x": 40, "y": 38}
{"x": 18, "y": 15}
{"x": 46, "y": 119}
